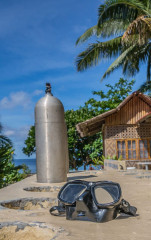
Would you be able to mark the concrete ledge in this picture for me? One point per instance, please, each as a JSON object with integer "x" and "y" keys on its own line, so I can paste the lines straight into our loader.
{"x": 135, "y": 190}
{"x": 26, "y": 231}
{"x": 43, "y": 189}
{"x": 29, "y": 203}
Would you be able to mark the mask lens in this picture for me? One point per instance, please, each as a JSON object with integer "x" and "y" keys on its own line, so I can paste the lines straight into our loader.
{"x": 106, "y": 194}
{"x": 71, "y": 192}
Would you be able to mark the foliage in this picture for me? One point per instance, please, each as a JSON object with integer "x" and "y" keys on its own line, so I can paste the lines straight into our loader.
{"x": 125, "y": 27}
{"x": 9, "y": 173}
{"x": 146, "y": 88}
{"x": 81, "y": 150}
{"x": 89, "y": 149}
{"x": 97, "y": 161}
{"x": 114, "y": 157}
{"x": 114, "y": 96}
{"x": 30, "y": 142}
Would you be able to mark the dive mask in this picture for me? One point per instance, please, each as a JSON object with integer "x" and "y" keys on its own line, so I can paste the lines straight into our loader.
{"x": 96, "y": 201}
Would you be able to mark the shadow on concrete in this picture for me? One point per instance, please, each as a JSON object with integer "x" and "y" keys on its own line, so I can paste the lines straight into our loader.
{"x": 125, "y": 216}
{"x": 80, "y": 177}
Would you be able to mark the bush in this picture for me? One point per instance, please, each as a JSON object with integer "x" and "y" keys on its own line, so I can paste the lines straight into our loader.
{"x": 9, "y": 173}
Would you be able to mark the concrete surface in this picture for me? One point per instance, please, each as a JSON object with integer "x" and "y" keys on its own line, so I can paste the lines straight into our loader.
{"x": 136, "y": 188}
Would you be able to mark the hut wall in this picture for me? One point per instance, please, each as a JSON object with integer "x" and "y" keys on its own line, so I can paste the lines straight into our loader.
{"x": 127, "y": 131}
{"x": 110, "y": 147}
{"x": 123, "y": 132}
{"x": 130, "y": 113}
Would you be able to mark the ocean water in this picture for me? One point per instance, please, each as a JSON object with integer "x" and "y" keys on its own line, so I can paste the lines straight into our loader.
{"x": 31, "y": 163}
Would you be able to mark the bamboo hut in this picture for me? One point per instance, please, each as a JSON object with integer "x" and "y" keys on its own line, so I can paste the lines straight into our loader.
{"x": 126, "y": 129}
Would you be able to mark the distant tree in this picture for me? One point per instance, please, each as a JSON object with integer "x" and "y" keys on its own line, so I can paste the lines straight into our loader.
{"x": 114, "y": 96}
{"x": 30, "y": 142}
{"x": 84, "y": 151}
{"x": 9, "y": 173}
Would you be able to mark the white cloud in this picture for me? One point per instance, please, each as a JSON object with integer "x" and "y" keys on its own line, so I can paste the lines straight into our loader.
{"x": 16, "y": 99}
{"x": 17, "y": 134}
{"x": 9, "y": 133}
{"x": 37, "y": 92}
{"x": 19, "y": 99}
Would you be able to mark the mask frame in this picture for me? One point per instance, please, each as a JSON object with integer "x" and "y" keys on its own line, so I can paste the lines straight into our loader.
{"x": 77, "y": 199}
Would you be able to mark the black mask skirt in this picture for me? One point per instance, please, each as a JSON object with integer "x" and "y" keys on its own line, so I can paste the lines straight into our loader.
{"x": 95, "y": 201}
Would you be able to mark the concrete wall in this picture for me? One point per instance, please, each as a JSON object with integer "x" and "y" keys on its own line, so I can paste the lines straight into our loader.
{"x": 110, "y": 164}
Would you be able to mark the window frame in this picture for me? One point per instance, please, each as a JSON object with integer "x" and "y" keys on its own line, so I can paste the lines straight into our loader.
{"x": 137, "y": 149}
{"x": 122, "y": 150}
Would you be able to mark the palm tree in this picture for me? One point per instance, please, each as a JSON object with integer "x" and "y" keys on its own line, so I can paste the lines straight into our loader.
{"x": 4, "y": 141}
{"x": 126, "y": 24}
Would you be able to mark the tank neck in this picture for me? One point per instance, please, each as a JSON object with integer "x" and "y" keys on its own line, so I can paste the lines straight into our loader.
{"x": 49, "y": 94}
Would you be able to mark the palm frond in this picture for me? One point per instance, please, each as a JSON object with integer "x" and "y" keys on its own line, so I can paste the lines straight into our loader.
{"x": 1, "y": 127}
{"x": 118, "y": 62}
{"x": 87, "y": 34}
{"x": 149, "y": 67}
{"x": 106, "y": 29}
{"x": 146, "y": 88}
{"x": 131, "y": 64}
{"x": 93, "y": 54}
{"x": 129, "y": 67}
{"x": 113, "y": 28}
{"x": 139, "y": 30}
{"x": 5, "y": 140}
{"x": 133, "y": 60}
{"x": 121, "y": 9}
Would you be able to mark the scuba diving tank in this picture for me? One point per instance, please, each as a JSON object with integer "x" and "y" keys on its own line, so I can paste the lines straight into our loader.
{"x": 52, "y": 160}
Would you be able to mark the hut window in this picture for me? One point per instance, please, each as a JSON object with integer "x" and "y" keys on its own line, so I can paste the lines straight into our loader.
{"x": 143, "y": 149}
{"x": 127, "y": 149}
{"x": 134, "y": 149}
{"x": 150, "y": 147}
{"x": 131, "y": 149}
{"x": 121, "y": 149}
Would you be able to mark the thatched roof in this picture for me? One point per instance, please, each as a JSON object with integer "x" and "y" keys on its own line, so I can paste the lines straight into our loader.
{"x": 94, "y": 125}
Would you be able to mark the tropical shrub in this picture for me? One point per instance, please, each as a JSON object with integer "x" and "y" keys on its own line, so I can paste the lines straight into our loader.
{"x": 9, "y": 173}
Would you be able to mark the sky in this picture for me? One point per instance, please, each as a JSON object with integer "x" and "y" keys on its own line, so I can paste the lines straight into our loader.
{"x": 37, "y": 45}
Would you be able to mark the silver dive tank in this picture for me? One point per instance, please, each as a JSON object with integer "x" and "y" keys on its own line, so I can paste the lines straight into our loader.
{"x": 52, "y": 159}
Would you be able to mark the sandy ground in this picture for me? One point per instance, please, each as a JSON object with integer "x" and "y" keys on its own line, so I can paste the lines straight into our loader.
{"x": 135, "y": 190}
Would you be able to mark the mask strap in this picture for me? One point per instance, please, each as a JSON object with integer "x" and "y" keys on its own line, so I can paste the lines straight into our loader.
{"x": 60, "y": 209}
{"x": 125, "y": 207}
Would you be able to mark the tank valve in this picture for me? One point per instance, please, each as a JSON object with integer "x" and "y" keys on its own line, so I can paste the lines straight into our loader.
{"x": 48, "y": 88}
